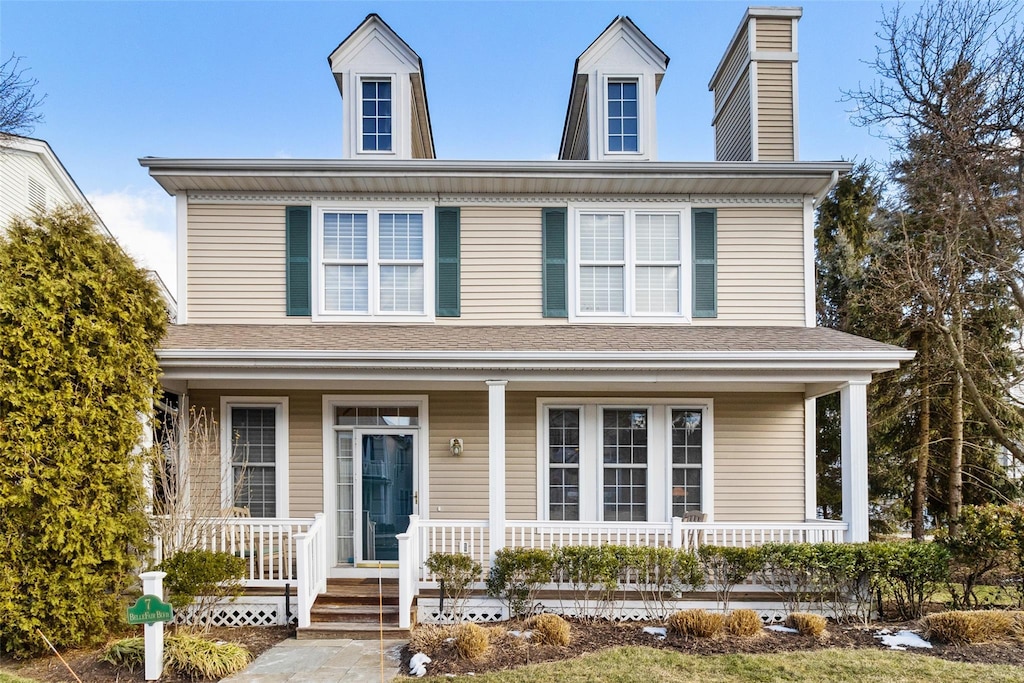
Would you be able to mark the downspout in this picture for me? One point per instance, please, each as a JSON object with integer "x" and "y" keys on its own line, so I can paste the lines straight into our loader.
{"x": 828, "y": 188}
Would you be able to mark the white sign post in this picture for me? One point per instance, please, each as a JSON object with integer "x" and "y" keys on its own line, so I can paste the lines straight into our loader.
{"x": 153, "y": 584}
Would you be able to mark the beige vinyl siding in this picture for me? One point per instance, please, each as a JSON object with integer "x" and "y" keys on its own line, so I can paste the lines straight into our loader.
{"x": 760, "y": 266}
{"x": 458, "y": 486}
{"x": 305, "y": 454}
{"x": 732, "y": 129}
{"x": 758, "y": 443}
{"x": 775, "y": 134}
{"x": 500, "y": 266}
{"x": 520, "y": 456}
{"x": 734, "y": 63}
{"x": 759, "y": 457}
{"x": 236, "y": 264}
{"x": 773, "y": 34}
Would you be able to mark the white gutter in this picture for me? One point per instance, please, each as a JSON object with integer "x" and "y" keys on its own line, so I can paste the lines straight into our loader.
{"x": 828, "y": 188}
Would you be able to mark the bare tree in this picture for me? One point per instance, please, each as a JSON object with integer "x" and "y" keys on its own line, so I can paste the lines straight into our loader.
{"x": 950, "y": 96}
{"x": 19, "y": 105}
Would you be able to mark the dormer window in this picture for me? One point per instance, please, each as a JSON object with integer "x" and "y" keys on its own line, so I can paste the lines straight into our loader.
{"x": 611, "y": 114}
{"x": 376, "y": 115}
{"x": 622, "y": 116}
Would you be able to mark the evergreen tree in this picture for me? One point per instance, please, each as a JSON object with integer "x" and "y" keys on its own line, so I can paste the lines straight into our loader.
{"x": 79, "y": 323}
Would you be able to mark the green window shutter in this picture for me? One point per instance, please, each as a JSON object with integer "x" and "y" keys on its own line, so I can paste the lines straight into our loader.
{"x": 555, "y": 257}
{"x": 447, "y": 230}
{"x": 705, "y": 297}
{"x": 297, "y": 240}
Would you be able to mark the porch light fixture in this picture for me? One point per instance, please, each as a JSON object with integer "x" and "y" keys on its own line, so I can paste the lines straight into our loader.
{"x": 456, "y": 447}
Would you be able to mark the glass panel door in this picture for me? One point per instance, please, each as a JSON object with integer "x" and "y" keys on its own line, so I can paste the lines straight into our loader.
{"x": 346, "y": 498}
{"x": 386, "y": 469}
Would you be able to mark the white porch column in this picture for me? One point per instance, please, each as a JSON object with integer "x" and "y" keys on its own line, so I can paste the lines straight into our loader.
{"x": 496, "y": 461}
{"x": 853, "y": 400}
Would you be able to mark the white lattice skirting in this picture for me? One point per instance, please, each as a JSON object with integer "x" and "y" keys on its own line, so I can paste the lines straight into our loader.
{"x": 245, "y": 611}
{"x": 490, "y": 610}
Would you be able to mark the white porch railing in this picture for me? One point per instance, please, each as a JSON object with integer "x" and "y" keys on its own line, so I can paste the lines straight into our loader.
{"x": 268, "y": 545}
{"x": 470, "y": 538}
{"x": 311, "y": 566}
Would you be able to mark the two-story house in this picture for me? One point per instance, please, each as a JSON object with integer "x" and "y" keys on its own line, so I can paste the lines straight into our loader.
{"x": 426, "y": 355}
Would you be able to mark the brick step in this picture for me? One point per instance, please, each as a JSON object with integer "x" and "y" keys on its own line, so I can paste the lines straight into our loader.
{"x": 353, "y": 613}
{"x": 354, "y": 631}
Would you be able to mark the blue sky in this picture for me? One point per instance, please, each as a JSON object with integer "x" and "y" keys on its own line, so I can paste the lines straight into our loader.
{"x": 250, "y": 79}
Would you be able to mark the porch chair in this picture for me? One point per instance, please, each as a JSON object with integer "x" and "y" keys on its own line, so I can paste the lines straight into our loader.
{"x": 694, "y": 537}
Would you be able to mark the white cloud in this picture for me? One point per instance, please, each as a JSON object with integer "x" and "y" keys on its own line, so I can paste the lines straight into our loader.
{"x": 143, "y": 222}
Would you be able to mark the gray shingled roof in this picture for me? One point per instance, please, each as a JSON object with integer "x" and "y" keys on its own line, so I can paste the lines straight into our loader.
{"x": 627, "y": 339}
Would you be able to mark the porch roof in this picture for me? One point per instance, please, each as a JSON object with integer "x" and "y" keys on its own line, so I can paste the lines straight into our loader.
{"x": 500, "y": 346}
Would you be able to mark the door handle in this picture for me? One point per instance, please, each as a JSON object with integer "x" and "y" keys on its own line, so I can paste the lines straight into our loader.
{"x": 415, "y": 497}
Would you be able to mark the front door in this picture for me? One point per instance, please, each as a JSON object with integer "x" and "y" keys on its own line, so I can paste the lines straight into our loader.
{"x": 386, "y": 468}
{"x": 374, "y": 481}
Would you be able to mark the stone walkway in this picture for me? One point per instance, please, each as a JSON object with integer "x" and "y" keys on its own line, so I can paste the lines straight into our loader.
{"x": 320, "y": 661}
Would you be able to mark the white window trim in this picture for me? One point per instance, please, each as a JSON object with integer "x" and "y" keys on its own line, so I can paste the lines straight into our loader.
{"x": 393, "y": 79}
{"x": 422, "y": 468}
{"x": 641, "y": 121}
{"x": 659, "y": 461}
{"x": 374, "y": 314}
{"x": 280, "y": 405}
{"x": 630, "y": 211}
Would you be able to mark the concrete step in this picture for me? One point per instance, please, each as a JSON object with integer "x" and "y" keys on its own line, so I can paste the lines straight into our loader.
{"x": 356, "y": 631}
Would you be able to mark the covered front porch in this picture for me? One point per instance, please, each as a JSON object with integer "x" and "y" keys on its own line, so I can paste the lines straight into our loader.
{"x": 373, "y": 460}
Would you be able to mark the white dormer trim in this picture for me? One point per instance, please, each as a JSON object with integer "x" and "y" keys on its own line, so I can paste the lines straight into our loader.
{"x": 375, "y": 52}
{"x": 621, "y": 52}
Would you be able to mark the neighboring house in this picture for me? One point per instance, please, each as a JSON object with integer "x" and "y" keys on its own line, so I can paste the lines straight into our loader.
{"x": 33, "y": 179}
{"x": 434, "y": 355}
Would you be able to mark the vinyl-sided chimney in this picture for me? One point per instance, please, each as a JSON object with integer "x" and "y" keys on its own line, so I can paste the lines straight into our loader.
{"x": 755, "y": 89}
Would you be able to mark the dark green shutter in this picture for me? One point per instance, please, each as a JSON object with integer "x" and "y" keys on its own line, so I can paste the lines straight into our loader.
{"x": 296, "y": 248}
{"x": 555, "y": 257}
{"x": 447, "y": 229}
{"x": 705, "y": 298}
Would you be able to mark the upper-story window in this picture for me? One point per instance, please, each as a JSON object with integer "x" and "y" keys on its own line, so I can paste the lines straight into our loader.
{"x": 623, "y": 118}
{"x": 376, "y": 115}
{"x": 372, "y": 262}
{"x": 629, "y": 262}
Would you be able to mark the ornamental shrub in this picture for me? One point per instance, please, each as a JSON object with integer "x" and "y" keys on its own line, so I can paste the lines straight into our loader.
{"x": 549, "y": 629}
{"x": 976, "y": 626}
{"x": 591, "y": 573}
{"x": 909, "y": 572}
{"x": 726, "y": 567}
{"x": 807, "y": 624}
{"x": 517, "y": 575}
{"x": 986, "y": 542}
{"x": 660, "y": 575}
{"x": 458, "y": 572}
{"x": 471, "y": 640}
{"x": 79, "y": 322}
{"x": 744, "y": 623}
{"x": 696, "y": 623}
{"x": 200, "y": 579}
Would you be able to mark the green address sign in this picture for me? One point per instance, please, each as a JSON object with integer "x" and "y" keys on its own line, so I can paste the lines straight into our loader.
{"x": 149, "y": 609}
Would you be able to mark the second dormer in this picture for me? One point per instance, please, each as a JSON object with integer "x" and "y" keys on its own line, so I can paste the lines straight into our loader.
{"x": 385, "y": 100}
{"x": 611, "y": 113}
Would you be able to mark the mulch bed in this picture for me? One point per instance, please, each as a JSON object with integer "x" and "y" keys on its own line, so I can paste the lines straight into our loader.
{"x": 593, "y": 636}
{"x": 87, "y": 665}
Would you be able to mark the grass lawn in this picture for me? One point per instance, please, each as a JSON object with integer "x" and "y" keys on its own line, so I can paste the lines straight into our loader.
{"x": 10, "y": 678}
{"x": 642, "y": 664}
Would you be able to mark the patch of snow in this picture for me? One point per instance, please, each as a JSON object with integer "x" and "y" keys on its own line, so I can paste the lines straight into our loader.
{"x": 902, "y": 640}
{"x": 658, "y": 631}
{"x": 418, "y": 664}
{"x": 525, "y": 635}
{"x": 781, "y": 629}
